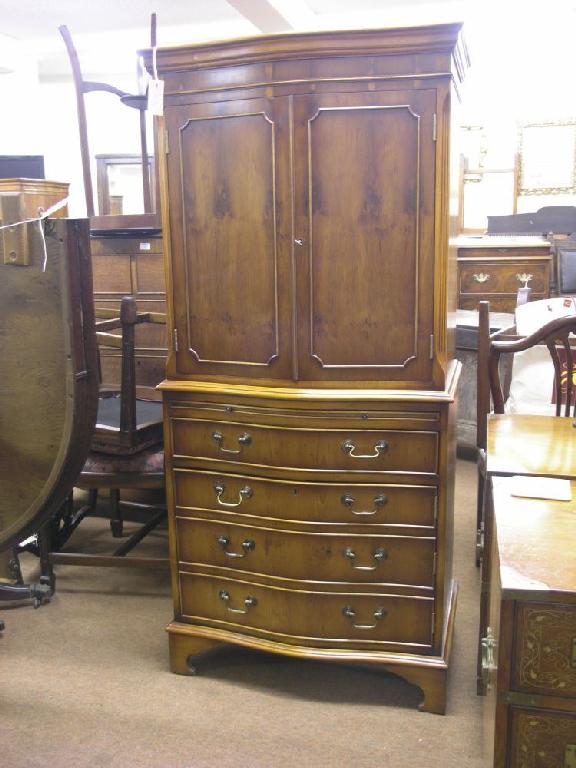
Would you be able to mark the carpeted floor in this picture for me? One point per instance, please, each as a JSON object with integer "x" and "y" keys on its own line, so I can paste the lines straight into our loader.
{"x": 84, "y": 682}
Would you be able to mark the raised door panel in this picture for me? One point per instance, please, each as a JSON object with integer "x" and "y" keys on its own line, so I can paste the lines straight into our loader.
{"x": 227, "y": 173}
{"x": 364, "y": 237}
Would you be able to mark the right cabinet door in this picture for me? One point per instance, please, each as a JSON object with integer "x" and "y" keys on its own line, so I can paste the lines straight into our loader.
{"x": 364, "y": 235}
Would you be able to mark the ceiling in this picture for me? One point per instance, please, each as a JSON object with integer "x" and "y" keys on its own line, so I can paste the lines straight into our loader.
{"x": 40, "y": 19}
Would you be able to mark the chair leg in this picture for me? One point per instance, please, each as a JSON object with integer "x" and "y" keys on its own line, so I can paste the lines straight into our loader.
{"x": 116, "y": 520}
{"x": 47, "y": 575}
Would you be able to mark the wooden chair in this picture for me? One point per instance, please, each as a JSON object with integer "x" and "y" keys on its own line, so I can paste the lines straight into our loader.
{"x": 126, "y": 454}
{"x": 494, "y": 385}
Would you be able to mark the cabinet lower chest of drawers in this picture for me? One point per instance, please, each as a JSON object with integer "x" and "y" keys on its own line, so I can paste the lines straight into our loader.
{"x": 528, "y": 652}
{"x": 313, "y": 524}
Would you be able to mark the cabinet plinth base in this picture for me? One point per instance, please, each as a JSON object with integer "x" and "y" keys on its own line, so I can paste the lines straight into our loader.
{"x": 189, "y": 642}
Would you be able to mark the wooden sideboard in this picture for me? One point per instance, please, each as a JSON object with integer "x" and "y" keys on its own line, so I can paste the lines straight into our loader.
{"x": 37, "y": 195}
{"x": 130, "y": 263}
{"x": 309, "y": 400}
{"x": 494, "y": 268}
{"x": 529, "y": 649}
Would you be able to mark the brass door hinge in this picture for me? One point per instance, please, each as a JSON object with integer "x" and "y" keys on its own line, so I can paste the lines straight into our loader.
{"x": 431, "y": 351}
{"x": 434, "y": 127}
{"x": 166, "y": 143}
{"x": 175, "y": 333}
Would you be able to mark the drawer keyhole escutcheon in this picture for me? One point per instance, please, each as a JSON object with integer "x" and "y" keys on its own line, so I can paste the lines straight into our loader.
{"x": 247, "y": 545}
{"x": 350, "y": 613}
{"x": 379, "y": 501}
{"x": 379, "y": 555}
{"x": 244, "y": 439}
{"x": 249, "y": 602}
{"x": 349, "y": 448}
{"x": 245, "y": 493}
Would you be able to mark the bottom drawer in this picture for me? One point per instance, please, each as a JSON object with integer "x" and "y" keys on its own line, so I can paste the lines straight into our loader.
{"x": 279, "y": 612}
{"x": 542, "y": 739}
{"x": 498, "y": 303}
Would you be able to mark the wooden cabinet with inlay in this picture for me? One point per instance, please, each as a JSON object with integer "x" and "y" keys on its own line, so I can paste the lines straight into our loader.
{"x": 310, "y": 376}
{"x": 529, "y": 650}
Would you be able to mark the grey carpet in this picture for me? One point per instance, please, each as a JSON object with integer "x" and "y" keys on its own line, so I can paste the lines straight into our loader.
{"x": 85, "y": 683}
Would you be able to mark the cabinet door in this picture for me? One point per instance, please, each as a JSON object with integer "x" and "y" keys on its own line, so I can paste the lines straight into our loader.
{"x": 364, "y": 237}
{"x": 227, "y": 175}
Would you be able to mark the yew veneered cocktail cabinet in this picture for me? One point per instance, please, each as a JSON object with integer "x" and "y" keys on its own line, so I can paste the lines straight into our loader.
{"x": 310, "y": 380}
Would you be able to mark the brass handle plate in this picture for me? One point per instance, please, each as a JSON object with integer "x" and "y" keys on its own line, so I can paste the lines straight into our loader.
{"x": 244, "y": 439}
{"x": 349, "y": 448}
{"x": 524, "y": 278}
{"x": 487, "y": 645}
{"x": 570, "y": 756}
{"x": 481, "y": 277}
{"x": 379, "y": 501}
{"x": 245, "y": 493}
{"x": 249, "y": 602}
{"x": 247, "y": 545}
{"x": 350, "y": 613}
{"x": 379, "y": 555}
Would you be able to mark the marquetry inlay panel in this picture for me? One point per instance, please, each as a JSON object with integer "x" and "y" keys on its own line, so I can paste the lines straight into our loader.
{"x": 545, "y": 649}
{"x": 542, "y": 740}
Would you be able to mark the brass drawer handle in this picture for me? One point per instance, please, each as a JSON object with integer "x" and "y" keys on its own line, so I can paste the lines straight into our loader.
{"x": 247, "y": 545}
{"x": 524, "y": 278}
{"x": 487, "y": 645}
{"x": 350, "y": 613}
{"x": 244, "y": 439}
{"x": 481, "y": 277}
{"x": 379, "y": 501}
{"x": 249, "y": 602}
{"x": 349, "y": 448}
{"x": 245, "y": 493}
{"x": 379, "y": 555}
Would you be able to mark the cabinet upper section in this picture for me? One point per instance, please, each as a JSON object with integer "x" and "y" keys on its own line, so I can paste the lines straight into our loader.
{"x": 305, "y": 205}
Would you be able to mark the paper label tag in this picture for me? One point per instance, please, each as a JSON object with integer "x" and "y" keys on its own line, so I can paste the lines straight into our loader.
{"x": 156, "y": 97}
{"x": 144, "y": 246}
{"x": 532, "y": 487}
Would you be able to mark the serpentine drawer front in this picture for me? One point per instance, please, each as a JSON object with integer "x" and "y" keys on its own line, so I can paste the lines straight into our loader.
{"x": 491, "y": 277}
{"x": 328, "y": 556}
{"x": 323, "y": 449}
{"x": 354, "y": 503}
{"x": 308, "y": 614}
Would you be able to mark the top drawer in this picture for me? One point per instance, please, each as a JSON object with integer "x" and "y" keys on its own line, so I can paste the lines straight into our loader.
{"x": 491, "y": 277}
{"x": 370, "y": 450}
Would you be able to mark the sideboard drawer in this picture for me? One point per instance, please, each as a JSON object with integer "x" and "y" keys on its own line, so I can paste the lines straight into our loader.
{"x": 358, "y": 504}
{"x": 545, "y": 650}
{"x": 314, "y": 556}
{"x": 491, "y": 278}
{"x": 309, "y": 614}
{"x": 295, "y": 448}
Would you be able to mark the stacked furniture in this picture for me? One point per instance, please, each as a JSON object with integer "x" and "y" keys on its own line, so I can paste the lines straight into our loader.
{"x": 309, "y": 400}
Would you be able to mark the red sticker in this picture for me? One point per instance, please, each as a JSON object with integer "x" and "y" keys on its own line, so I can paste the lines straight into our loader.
{"x": 567, "y": 302}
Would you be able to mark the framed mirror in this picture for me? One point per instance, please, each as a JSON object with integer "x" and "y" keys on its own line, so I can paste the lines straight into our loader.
{"x": 547, "y": 158}
{"x": 119, "y": 184}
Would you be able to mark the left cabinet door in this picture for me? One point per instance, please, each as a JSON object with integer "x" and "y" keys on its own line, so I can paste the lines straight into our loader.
{"x": 229, "y": 198}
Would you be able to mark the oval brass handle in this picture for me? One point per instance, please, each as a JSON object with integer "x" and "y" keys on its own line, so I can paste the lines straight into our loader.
{"x": 244, "y": 439}
{"x": 487, "y": 645}
{"x": 379, "y": 501}
{"x": 379, "y": 555}
{"x": 524, "y": 278}
{"x": 247, "y": 545}
{"x": 349, "y": 448}
{"x": 244, "y": 493}
{"x": 481, "y": 277}
{"x": 350, "y": 613}
{"x": 249, "y": 602}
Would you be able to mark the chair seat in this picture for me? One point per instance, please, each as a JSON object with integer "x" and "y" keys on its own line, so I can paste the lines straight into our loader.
{"x": 108, "y": 438}
{"x": 139, "y": 466}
